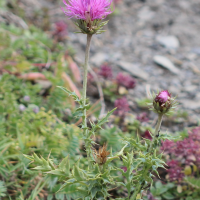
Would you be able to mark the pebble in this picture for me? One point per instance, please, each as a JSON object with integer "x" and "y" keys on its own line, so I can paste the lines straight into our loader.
{"x": 145, "y": 14}
{"x": 169, "y": 42}
{"x": 190, "y": 88}
{"x": 133, "y": 69}
{"x": 196, "y": 50}
{"x": 45, "y": 84}
{"x": 166, "y": 63}
{"x": 99, "y": 58}
{"x": 191, "y": 104}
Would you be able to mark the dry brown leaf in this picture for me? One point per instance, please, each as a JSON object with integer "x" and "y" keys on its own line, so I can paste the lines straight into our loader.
{"x": 74, "y": 69}
{"x": 71, "y": 84}
{"x": 33, "y": 76}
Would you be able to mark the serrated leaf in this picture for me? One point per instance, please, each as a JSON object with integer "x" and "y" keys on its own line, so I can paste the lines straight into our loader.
{"x": 73, "y": 94}
{"x": 102, "y": 121}
{"x": 65, "y": 165}
{"x": 56, "y": 172}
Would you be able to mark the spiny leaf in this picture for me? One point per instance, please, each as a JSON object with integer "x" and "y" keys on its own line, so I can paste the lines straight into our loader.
{"x": 102, "y": 121}
{"x": 73, "y": 94}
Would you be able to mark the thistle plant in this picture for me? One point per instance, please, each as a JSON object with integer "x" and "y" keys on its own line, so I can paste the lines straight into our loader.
{"x": 95, "y": 179}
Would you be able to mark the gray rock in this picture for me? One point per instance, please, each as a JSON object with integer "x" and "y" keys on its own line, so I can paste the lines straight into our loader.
{"x": 45, "y": 84}
{"x": 190, "y": 88}
{"x": 99, "y": 58}
{"x": 191, "y": 104}
{"x": 166, "y": 63}
{"x": 196, "y": 50}
{"x": 133, "y": 69}
{"x": 170, "y": 41}
{"x": 146, "y": 14}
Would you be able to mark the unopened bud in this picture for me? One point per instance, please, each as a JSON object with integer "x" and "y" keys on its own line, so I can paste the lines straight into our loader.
{"x": 163, "y": 102}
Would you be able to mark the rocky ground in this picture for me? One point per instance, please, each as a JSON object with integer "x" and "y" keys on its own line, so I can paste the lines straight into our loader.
{"x": 156, "y": 41}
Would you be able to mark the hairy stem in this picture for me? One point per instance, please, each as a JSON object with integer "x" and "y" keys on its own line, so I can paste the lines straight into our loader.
{"x": 85, "y": 130}
{"x": 158, "y": 125}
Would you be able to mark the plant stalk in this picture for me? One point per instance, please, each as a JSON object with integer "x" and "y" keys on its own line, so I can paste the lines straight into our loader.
{"x": 137, "y": 190}
{"x": 87, "y": 53}
{"x": 158, "y": 125}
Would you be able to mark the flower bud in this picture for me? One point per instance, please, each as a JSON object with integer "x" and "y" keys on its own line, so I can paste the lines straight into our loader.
{"x": 163, "y": 102}
{"x": 100, "y": 156}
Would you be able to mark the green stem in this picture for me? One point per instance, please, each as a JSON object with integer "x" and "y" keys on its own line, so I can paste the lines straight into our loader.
{"x": 137, "y": 190}
{"x": 158, "y": 125}
{"x": 87, "y": 53}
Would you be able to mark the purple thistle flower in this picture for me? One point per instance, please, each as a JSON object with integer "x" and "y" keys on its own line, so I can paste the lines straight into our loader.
{"x": 88, "y": 10}
{"x": 106, "y": 71}
{"x": 122, "y": 106}
{"x": 126, "y": 80}
{"x": 142, "y": 117}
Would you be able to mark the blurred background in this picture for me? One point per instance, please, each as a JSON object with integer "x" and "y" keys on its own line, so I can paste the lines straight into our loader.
{"x": 148, "y": 45}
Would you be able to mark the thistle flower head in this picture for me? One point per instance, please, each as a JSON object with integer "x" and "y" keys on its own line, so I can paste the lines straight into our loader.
{"x": 106, "y": 71}
{"x": 126, "y": 80}
{"x": 100, "y": 156}
{"x": 163, "y": 103}
{"x": 88, "y": 12}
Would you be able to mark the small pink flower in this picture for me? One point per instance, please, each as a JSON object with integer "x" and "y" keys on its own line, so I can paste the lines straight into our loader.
{"x": 122, "y": 106}
{"x": 106, "y": 71}
{"x": 143, "y": 117}
{"x": 125, "y": 80}
{"x": 88, "y": 10}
